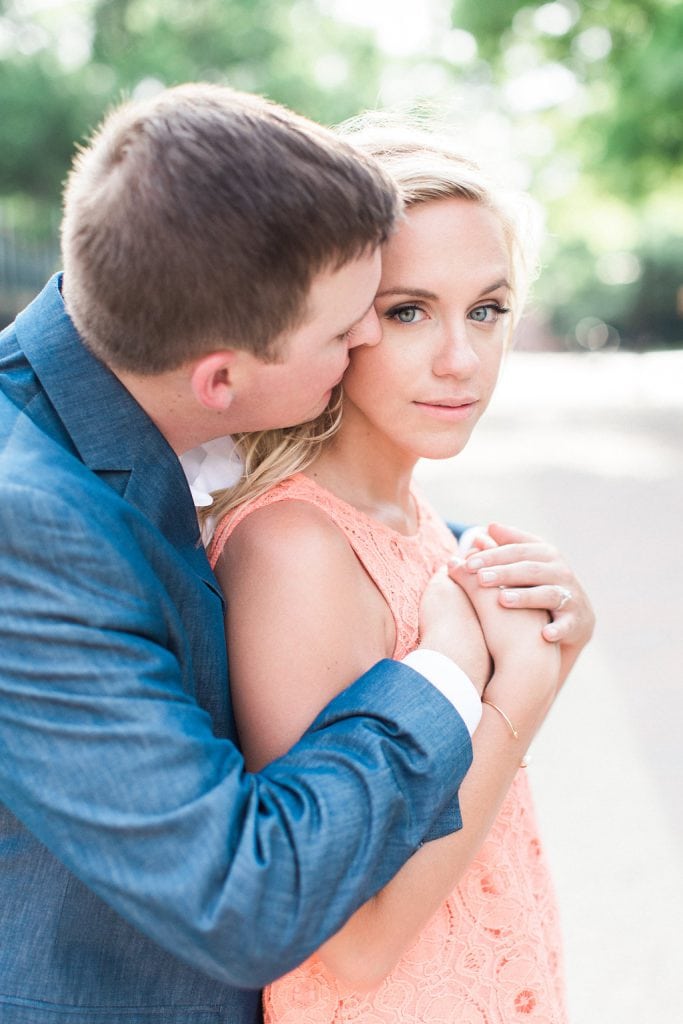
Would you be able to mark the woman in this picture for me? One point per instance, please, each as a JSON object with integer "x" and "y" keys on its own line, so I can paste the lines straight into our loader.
{"x": 467, "y": 931}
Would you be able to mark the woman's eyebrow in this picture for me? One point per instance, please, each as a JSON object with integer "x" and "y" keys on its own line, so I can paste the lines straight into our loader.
{"x": 420, "y": 293}
{"x": 502, "y": 283}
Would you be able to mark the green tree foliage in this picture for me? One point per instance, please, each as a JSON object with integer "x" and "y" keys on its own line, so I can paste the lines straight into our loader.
{"x": 625, "y": 55}
{"x": 49, "y": 97}
{"x": 586, "y": 96}
{"x": 611, "y": 178}
{"x": 290, "y": 52}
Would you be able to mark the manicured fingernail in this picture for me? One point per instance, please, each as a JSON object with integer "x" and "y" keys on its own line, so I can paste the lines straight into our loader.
{"x": 488, "y": 576}
{"x": 474, "y": 563}
{"x": 455, "y": 562}
{"x": 551, "y": 632}
{"x": 511, "y": 596}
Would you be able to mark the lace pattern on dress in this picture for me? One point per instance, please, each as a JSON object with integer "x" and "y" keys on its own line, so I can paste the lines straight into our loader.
{"x": 399, "y": 566}
{"x": 492, "y": 952}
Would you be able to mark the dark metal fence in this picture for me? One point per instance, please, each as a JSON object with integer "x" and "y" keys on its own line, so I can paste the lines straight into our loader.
{"x": 24, "y": 268}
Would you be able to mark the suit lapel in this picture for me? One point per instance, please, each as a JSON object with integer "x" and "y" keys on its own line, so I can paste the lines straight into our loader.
{"x": 112, "y": 434}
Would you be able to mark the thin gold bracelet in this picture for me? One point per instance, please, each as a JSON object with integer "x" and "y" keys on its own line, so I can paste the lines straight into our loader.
{"x": 503, "y": 716}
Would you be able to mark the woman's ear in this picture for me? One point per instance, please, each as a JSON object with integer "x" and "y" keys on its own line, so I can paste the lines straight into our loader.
{"x": 212, "y": 379}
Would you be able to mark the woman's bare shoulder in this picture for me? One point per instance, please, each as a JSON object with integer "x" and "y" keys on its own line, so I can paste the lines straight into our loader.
{"x": 286, "y": 533}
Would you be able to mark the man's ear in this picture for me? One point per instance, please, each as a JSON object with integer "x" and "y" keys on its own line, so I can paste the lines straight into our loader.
{"x": 212, "y": 379}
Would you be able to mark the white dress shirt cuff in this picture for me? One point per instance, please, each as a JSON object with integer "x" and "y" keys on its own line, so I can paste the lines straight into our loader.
{"x": 451, "y": 681}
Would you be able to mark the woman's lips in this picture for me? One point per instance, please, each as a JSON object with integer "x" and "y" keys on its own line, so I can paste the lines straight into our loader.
{"x": 448, "y": 409}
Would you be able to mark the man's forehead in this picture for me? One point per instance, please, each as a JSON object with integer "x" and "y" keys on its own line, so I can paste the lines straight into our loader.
{"x": 349, "y": 289}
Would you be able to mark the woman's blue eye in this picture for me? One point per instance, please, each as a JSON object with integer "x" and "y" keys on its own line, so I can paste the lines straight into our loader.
{"x": 405, "y": 314}
{"x": 481, "y": 313}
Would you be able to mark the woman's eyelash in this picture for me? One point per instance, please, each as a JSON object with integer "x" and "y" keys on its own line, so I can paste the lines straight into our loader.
{"x": 495, "y": 306}
{"x": 487, "y": 308}
{"x": 405, "y": 307}
{"x": 414, "y": 308}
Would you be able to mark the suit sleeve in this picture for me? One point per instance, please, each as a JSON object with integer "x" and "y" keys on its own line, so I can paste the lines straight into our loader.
{"x": 457, "y": 529}
{"x": 111, "y": 765}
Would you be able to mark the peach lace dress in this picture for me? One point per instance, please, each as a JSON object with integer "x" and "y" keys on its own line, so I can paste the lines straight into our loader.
{"x": 492, "y": 953}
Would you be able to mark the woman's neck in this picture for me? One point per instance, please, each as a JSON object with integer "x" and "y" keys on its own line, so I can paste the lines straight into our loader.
{"x": 369, "y": 473}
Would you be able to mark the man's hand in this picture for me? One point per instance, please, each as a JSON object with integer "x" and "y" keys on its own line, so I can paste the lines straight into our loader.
{"x": 449, "y": 624}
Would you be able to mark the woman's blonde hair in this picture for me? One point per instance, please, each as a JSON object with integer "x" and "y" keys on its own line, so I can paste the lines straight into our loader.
{"x": 427, "y": 167}
{"x": 270, "y": 456}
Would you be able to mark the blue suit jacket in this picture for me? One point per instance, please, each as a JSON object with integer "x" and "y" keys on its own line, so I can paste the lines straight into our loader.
{"x": 144, "y": 876}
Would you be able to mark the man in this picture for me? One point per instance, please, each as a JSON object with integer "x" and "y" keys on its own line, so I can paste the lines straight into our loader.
{"x": 220, "y": 259}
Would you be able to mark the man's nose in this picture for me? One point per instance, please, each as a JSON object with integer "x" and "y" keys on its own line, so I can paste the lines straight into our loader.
{"x": 367, "y": 331}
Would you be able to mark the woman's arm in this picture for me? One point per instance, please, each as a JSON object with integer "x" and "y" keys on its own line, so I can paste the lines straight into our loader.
{"x": 524, "y": 684}
{"x": 304, "y": 620}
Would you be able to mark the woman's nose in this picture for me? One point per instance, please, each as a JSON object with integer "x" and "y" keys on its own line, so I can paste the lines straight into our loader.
{"x": 455, "y": 356}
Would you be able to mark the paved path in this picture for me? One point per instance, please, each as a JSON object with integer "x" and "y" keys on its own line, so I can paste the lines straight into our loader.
{"x": 587, "y": 450}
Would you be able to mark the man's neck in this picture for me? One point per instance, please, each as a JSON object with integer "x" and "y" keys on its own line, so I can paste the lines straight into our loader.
{"x": 167, "y": 400}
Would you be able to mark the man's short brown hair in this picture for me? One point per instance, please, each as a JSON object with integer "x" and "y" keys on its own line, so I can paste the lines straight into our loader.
{"x": 197, "y": 220}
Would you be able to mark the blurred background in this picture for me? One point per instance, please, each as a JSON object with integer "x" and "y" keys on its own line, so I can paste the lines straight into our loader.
{"x": 586, "y": 450}
{"x": 581, "y": 103}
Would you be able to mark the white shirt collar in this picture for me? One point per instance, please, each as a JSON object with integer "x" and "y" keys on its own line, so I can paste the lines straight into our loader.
{"x": 210, "y": 467}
